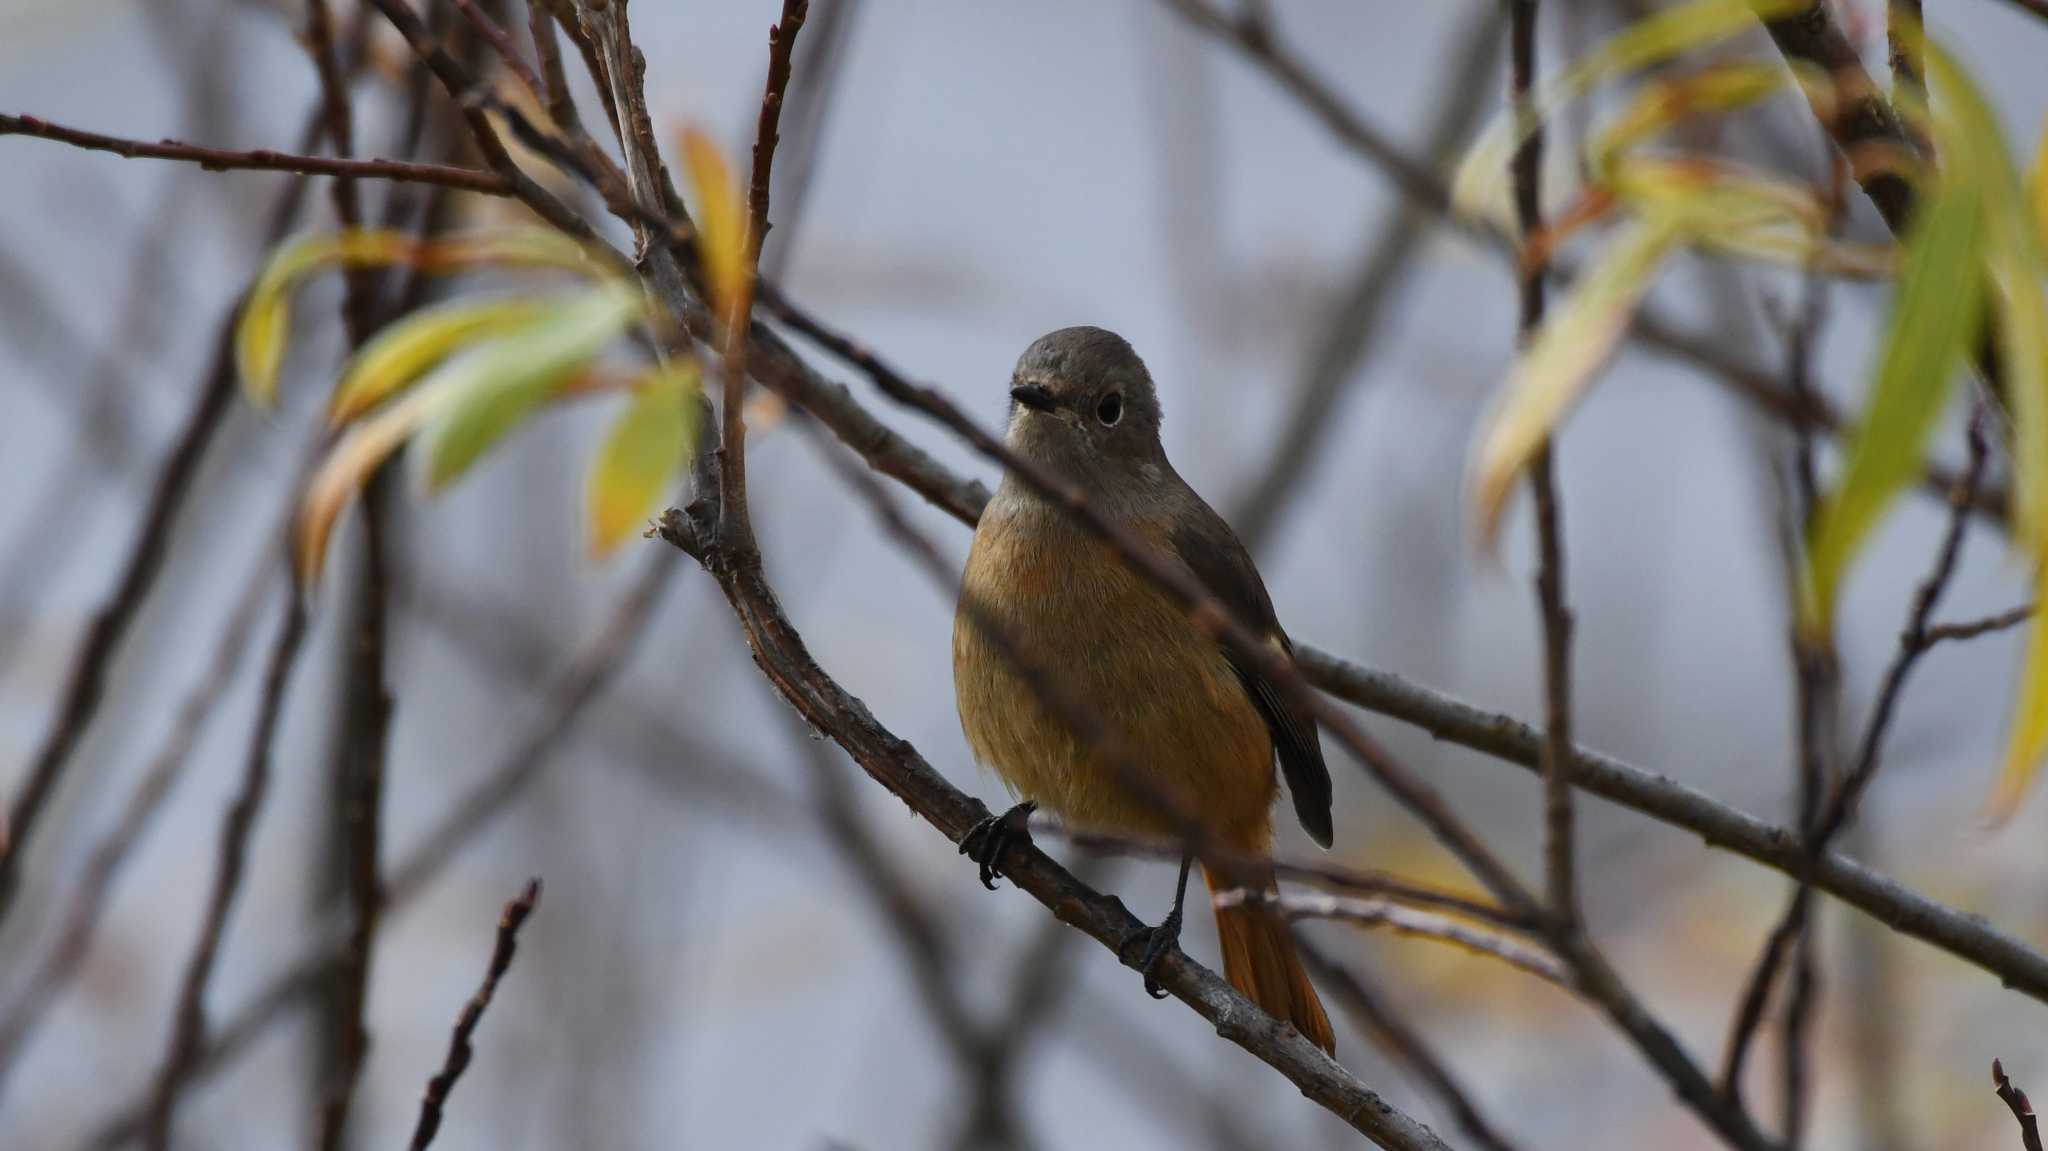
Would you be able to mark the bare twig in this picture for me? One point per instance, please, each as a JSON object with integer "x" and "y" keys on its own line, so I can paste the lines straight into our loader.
{"x": 460, "y": 1050}
{"x": 1377, "y": 912}
{"x": 1817, "y": 706}
{"x": 261, "y": 159}
{"x": 2022, "y": 1109}
{"x": 470, "y": 96}
{"x": 1971, "y": 629}
{"x": 1326, "y": 876}
{"x": 1822, "y": 827}
{"x": 1968, "y": 937}
{"x": 1403, "y": 1042}
{"x": 1526, "y": 175}
{"x": 188, "y": 1027}
{"x": 494, "y": 34}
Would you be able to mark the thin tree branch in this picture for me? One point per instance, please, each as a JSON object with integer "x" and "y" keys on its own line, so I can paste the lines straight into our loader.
{"x": 188, "y": 1028}
{"x": 1971, "y": 629}
{"x": 1817, "y": 707}
{"x": 1526, "y": 176}
{"x": 1377, "y": 912}
{"x": 501, "y": 43}
{"x": 1336, "y": 877}
{"x": 261, "y": 159}
{"x": 460, "y": 1050}
{"x": 1403, "y": 1042}
{"x": 470, "y": 96}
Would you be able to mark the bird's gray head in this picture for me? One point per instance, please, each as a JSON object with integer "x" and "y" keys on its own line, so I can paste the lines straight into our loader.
{"x": 1082, "y": 403}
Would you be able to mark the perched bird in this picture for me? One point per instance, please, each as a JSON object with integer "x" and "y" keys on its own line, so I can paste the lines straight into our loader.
{"x": 1198, "y": 728}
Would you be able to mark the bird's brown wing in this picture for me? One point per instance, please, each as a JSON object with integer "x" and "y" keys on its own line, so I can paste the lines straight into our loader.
{"x": 1207, "y": 545}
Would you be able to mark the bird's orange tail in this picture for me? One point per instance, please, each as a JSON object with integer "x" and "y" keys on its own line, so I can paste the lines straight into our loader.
{"x": 1260, "y": 961}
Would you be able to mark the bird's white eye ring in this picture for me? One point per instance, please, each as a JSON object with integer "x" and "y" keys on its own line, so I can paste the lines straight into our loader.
{"x": 1110, "y": 409}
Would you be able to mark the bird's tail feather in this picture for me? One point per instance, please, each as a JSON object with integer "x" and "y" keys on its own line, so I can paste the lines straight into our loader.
{"x": 1260, "y": 961}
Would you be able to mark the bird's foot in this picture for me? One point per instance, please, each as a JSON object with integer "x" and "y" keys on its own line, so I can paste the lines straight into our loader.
{"x": 1153, "y": 944}
{"x": 986, "y": 841}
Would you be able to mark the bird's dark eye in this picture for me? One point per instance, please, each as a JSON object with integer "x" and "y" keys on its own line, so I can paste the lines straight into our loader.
{"x": 1111, "y": 409}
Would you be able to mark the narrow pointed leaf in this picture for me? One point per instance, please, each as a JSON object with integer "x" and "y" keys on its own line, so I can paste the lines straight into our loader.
{"x": 498, "y": 384}
{"x": 1970, "y": 141}
{"x": 1562, "y": 360}
{"x": 2027, "y": 740}
{"x": 265, "y": 322}
{"x": 722, "y": 226}
{"x": 1934, "y": 320}
{"x": 646, "y": 448}
{"x": 403, "y": 352}
{"x": 344, "y": 471}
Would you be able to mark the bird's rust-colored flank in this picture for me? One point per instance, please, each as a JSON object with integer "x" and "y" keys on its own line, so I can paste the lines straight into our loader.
{"x": 1195, "y": 727}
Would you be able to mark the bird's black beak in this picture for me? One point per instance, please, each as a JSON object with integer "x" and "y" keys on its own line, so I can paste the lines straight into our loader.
{"x": 1033, "y": 396}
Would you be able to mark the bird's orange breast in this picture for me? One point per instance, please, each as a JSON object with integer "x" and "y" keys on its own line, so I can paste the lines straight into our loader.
{"x": 1118, "y": 644}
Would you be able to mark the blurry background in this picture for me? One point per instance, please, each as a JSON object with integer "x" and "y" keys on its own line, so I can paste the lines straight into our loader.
{"x": 707, "y": 968}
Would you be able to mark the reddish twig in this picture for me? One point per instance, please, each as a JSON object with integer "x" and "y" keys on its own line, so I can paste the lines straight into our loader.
{"x": 781, "y": 44}
{"x": 460, "y": 1050}
{"x": 470, "y": 96}
{"x": 260, "y": 159}
{"x": 2022, "y": 1108}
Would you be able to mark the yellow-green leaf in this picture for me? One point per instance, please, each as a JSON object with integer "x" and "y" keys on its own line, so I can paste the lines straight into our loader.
{"x": 495, "y": 386}
{"x": 2028, "y": 737}
{"x": 2037, "y": 186}
{"x": 1971, "y": 143}
{"x": 344, "y": 470}
{"x": 1566, "y": 353}
{"x": 642, "y": 453}
{"x": 265, "y": 322}
{"x": 406, "y": 350}
{"x": 1651, "y": 40}
{"x": 722, "y": 227}
{"x": 1662, "y": 103}
{"x": 1934, "y": 321}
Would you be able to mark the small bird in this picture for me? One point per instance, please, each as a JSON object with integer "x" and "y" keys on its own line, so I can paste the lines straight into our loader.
{"x": 1197, "y": 726}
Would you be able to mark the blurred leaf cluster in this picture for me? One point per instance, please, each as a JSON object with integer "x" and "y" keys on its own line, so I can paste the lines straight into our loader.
{"x": 1969, "y": 275}
{"x": 454, "y": 379}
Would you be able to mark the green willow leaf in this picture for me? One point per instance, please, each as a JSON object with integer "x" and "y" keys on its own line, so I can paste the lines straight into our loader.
{"x": 1564, "y": 357}
{"x": 647, "y": 446}
{"x": 1969, "y": 138}
{"x": 1934, "y": 321}
{"x": 401, "y": 353}
{"x": 265, "y": 320}
{"x": 494, "y": 387}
